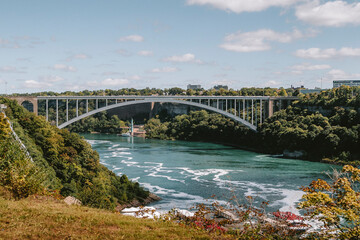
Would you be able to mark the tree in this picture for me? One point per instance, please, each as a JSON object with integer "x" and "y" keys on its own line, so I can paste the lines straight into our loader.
{"x": 336, "y": 204}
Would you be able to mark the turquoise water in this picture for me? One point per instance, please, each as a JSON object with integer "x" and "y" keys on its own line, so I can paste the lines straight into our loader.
{"x": 186, "y": 173}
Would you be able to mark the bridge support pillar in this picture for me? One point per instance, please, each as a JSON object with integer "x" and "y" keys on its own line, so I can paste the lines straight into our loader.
{"x": 47, "y": 109}
{"x": 57, "y": 112}
{"x": 252, "y": 111}
{"x": 244, "y": 109}
{"x": 271, "y": 108}
{"x": 151, "y": 112}
{"x": 261, "y": 110}
{"x": 67, "y": 110}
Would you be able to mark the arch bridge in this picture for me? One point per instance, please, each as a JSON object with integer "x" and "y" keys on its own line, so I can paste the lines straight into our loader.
{"x": 247, "y": 110}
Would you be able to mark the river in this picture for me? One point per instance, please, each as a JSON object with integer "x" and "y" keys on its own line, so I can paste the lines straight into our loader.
{"x": 186, "y": 173}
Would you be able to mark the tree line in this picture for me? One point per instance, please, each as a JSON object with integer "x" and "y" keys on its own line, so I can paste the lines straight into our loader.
{"x": 246, "y": 91}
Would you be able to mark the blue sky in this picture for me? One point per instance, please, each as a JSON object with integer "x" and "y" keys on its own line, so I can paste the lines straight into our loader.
{"x": 92, "y": 44}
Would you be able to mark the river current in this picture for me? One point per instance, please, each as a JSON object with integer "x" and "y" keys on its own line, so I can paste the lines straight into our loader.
{"x": 186, "y": 173}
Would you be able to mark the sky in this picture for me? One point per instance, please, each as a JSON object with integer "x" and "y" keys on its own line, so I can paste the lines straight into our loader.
{"x": 72, "y": 45}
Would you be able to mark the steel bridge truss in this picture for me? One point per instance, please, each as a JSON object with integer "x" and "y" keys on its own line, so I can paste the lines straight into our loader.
{"x": 247, "y": 110}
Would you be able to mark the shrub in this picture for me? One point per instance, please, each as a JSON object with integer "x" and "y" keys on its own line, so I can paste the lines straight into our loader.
{"x": 18, "y": 174}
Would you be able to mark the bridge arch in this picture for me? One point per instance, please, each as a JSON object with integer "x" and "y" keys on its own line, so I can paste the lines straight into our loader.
{"x": 122, "y": 104}
{"x": 23, "y": 100}
{"x": 28, "y": 105}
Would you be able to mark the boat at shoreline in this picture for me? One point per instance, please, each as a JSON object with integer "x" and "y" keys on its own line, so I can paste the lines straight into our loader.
{"x": 127, "y": 134}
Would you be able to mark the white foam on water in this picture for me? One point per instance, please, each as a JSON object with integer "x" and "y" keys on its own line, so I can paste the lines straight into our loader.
{"x": 120, "y": 149}
{"x": 93, "y": 142}
{"x": 124, "y": 153}
{"x": 196, "y": 174}
{"x": 176, "y": 199}
{"x": 157, "y": 189}
{"x": 289, "y": 202}
{"x": 129, "y": 163}
{"x": 158, "y": 168}
{"x": 164, "y": 176}
{"x": 120, "y": 154}
{"x": 104, "y": 163}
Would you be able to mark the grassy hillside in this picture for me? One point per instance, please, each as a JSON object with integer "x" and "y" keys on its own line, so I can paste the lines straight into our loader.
{"x": 47, "y": 218}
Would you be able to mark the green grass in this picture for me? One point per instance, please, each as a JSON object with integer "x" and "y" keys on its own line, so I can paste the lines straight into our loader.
{"x": 46, "y": 218}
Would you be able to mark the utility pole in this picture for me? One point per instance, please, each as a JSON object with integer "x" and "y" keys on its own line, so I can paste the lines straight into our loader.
{"x": 321, "y": 83}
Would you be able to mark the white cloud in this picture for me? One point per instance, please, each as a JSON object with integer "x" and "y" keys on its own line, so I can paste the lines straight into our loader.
{"x": 78, "y": 56}
{"x": 114, "y": 82}
{"x": 132, "y": 38}
{"x": 272, "y": 83}
{"x": 123, "y": 52}
{"x": 135, "y": 77}
{"x": 186, "y": 58}
{"x": 239, "y": 6}
{"x": 10, "y": 69}
{"x": 65, "y": 68}
{"x": 145, "y": 53}
{"x": 36, "y": 84}
{"x": 317, "y": 53}
{"x": 331, "y": 13}
{"x": 110, "y": 73}
{"x": 81, "y": 56}
{"x": 164, "y": 70}
{"x": 309, "y": 67}
{"x": 259, "y": 40}
{"x": 51, "y": 79}
{"x": 340, "y": 74}
{"x": 223, "y": 81}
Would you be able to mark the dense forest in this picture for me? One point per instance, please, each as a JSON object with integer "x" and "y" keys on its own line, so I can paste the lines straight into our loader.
{"x": 100, "y": 123}
{"x": 65, "y": 159}
{"x": 324, "y": 126}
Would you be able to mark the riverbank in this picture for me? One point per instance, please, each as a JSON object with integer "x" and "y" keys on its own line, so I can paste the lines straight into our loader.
{"x": 136, "y": 203}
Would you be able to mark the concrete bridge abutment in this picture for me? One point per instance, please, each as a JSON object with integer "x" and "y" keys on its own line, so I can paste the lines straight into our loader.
{"x": 33, "y": 100}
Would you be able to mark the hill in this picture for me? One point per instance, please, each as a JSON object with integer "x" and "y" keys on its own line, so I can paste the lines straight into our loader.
{"x": 65, "y": 160}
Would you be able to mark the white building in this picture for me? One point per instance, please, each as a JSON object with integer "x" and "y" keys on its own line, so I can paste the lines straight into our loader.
{"x": 194, "y": 87}
{"x": 350, "y": 83}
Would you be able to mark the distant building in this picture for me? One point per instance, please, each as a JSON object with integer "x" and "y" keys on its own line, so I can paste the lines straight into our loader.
{"x": 217, "y": 87}
{"x": 306, "y": 91}
{"x": 350, "y": 83}
{"x": 194, "y": 87}
{"x": 2, "y": 107}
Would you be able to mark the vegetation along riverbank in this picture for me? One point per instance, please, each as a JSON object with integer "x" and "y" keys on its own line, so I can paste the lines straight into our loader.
{"x": 318, "y": 127}
{"x": 60, "y": 161}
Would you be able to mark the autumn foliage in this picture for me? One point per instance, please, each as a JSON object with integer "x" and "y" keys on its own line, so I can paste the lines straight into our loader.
{"x": 335, "y": 204}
